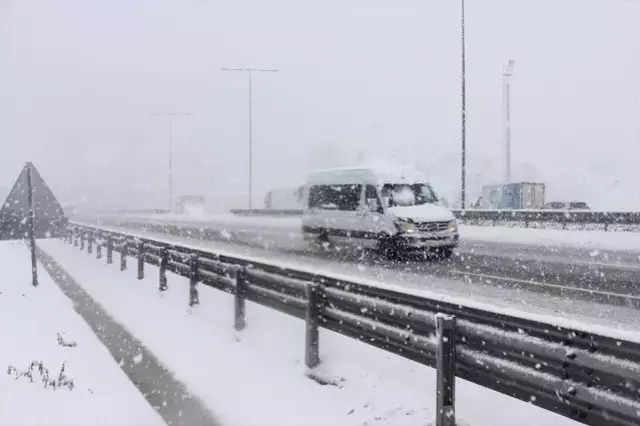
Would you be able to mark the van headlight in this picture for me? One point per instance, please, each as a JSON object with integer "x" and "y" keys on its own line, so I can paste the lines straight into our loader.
{"x": 453, "y": 226}
{"x": 403, "y": 226}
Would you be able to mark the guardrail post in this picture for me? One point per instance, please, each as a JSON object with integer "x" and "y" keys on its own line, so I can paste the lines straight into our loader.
{"x": 240, "y": 308}
{"x": 193, "y": 280}
{"x": 445, "y": 366}
{"x": 164, "y": 260}
{"x": 109, "y": 250}
{"x": 312, "y": 336}
{"x": 123, "y": 255}
{"x": 89, "y": 242}
{"x": 99, "y": 247}
{"x": 140, "y": 260}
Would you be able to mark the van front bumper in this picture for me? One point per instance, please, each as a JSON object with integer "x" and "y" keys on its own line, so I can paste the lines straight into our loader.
{"x": 427, "y": 240}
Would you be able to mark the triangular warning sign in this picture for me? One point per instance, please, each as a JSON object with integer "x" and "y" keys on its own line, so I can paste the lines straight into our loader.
{"x": 15, "y": 212}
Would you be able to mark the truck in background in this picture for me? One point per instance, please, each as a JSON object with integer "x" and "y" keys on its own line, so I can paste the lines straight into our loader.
{"x": 284, "y": 198}
{"x": 512, "y": 196}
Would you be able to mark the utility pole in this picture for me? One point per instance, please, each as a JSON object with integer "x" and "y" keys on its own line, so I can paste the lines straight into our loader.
{"x": 170, "y": 116}
{"x": 250, "y": 72}
{"x": 506, "y": 95}
{"x": 463, "y": 166}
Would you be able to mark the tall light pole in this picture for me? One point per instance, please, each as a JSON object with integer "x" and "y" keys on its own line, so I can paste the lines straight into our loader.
{"x": 506, "y": 95}
{"x": 170, "y": 116}
{"x": 250, "y": 72}
{"x": 463, "y": 167}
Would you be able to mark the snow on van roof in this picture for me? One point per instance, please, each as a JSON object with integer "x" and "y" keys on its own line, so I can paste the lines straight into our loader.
{"x": 378, "y": 173}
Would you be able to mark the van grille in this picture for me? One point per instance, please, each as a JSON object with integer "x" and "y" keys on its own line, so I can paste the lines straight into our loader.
{"x": 432, "y": 226}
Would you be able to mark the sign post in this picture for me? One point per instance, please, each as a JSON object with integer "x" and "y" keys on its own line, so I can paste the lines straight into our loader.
{"x": 31, "y": 212}
{"x": 32, "y": 226}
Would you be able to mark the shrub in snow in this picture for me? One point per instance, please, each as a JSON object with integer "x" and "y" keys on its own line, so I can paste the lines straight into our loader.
{"x": 38, "y": 372}
{"x": 62, "y": 342}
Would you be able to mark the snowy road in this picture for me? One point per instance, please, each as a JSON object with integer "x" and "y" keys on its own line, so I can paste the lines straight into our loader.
{"x": 619, "y": 242}
{"x": 579, "y": 270}
{"x": 561, "y": 302}
{"x": 40, "y": 334}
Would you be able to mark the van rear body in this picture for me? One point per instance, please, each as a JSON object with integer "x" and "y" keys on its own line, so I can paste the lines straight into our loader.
{"x": 393, "y": 209}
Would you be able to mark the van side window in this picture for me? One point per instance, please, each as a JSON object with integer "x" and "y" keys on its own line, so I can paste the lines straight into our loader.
{"x": 335, "y": 197}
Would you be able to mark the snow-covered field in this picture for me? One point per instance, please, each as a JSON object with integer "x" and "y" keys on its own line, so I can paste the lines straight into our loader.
{"x": 53, "y": 370}
{"x": 258, "y": 377}
{"x": 291, "y": 227}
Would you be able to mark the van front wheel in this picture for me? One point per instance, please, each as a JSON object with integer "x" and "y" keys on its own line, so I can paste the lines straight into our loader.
{"x": 445, "y": 252}
{"x": 388, "y": 248}
{"x": 323, "y": 241}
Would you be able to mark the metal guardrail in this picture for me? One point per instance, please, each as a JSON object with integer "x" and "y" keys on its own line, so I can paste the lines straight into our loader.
{"x": 563, "y": 217}
{"x": 527, "y": 217}
{"x": 124, "y": 211}
{"x": 266, "y": 212}
{"x": 591, "y": 378}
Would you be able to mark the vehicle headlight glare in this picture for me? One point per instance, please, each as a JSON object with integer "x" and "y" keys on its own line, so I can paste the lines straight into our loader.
{"x": 405, "y": 227}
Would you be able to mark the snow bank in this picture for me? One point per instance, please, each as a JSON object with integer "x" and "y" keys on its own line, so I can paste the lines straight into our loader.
{"x": 549, "y": 237}
{"x": 280, "y": 223}
{"x": 257, "y": 376}
{"x": 40, "y": 334}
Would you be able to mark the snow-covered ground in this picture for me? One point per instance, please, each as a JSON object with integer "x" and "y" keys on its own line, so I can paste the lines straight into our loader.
{"x": 258, "y": 377}
{"x": 42, "y": 334}
{"x": 291, "y": 228}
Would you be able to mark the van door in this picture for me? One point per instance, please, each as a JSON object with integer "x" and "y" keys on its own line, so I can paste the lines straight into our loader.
{"x": 335, "y": 211}
{"x": 372, "y": 218}
{"x": 348, "y": 223}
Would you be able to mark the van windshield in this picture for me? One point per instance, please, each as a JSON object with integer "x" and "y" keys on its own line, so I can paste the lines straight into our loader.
{"x": 402, "y": 195}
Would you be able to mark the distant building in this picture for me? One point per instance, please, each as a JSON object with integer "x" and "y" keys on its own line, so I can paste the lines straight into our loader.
{"x": 512, "y": 196}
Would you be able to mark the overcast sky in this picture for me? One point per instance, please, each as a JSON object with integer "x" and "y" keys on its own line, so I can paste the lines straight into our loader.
{"x": 80, "y": 80}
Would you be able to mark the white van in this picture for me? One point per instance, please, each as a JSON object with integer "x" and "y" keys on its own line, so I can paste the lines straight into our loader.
{"x": 393, "y": 210}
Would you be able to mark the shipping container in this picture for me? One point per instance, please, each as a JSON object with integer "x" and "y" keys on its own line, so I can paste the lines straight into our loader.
{"x": 513, "y": 196}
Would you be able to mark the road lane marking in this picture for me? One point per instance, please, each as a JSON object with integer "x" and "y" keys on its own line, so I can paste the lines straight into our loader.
{"x": 539, "y": 284}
